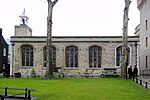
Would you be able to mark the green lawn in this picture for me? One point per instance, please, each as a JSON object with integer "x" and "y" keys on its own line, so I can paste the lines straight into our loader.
{"x": 80, "y": 88}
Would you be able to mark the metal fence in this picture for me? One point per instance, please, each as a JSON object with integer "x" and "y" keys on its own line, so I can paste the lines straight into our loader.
{"x": 24, "y": 94}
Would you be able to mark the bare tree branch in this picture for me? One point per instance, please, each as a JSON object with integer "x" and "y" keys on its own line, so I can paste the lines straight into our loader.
{"x": 54, "y": 2}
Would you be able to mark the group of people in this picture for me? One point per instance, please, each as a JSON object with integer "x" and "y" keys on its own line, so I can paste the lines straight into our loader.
{"x": 133, "y": 73}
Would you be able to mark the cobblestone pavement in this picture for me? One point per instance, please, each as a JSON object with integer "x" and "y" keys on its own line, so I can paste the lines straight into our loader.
{"x": 145, "y": 79}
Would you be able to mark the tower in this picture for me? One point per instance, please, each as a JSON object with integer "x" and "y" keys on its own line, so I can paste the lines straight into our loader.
{"x": 144, "y": 8}
{"x": 23, "y": 29}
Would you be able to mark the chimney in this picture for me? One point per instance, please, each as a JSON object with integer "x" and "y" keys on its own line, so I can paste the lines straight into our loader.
{"x": 0, "y": 31}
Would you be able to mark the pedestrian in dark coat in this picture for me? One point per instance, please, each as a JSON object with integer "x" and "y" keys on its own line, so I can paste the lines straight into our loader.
{"x": 130, "y": 72}
{"x": 135, "y": 71}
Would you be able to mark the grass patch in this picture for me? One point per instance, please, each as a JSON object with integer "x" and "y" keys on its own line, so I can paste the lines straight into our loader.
{"x": 80, "y": 89}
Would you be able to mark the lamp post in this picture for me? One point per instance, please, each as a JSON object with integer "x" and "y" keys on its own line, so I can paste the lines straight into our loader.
{"x": 12, "y": 57}
{"x": 136, "y": 44}
{"x": 126, "y": 71}
{"x": 136, "y": 55}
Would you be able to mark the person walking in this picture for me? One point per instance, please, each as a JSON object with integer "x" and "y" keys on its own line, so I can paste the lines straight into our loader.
{"x": 130, "y": 72}
{"x": 135, "y": 71}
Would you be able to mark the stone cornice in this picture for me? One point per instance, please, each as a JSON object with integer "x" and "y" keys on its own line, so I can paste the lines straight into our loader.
{"x": 73, "y": 36}
{"x": 75, "y": 39}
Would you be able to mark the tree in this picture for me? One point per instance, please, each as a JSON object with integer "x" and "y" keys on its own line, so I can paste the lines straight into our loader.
{"x": 49, "y": 69}
{"x": 125, "y": 50}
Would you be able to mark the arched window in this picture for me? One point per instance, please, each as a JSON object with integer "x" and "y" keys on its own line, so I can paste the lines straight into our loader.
{"x": 71, "y": 56}
{"x": 95, "y": 54}
{"x": 53, "y": 56}
{"x": 27, "y": 55}
{"x": 119, "y": 55}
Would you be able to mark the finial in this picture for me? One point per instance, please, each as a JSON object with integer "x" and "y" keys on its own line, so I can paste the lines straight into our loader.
{"x": 24, "y": 18}
{"x": 24, "y": 11}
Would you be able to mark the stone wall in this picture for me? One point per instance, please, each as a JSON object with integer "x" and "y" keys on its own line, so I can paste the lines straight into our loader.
{"x": 144, "y": 33}
{"x": 83, "y": 44}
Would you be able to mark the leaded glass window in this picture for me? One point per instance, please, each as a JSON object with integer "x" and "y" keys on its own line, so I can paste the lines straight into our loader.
{"x": 95, "y": 54}
{"x": 71, "y": 56}
{"x": 53, "y": 56}
{"x": 27, "y": 55}
{"x": 119, "y": 55}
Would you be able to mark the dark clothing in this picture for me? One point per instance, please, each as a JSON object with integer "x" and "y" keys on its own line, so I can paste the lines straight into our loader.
{"x": 135, "y": 72}
{"x": 130, "y": 72}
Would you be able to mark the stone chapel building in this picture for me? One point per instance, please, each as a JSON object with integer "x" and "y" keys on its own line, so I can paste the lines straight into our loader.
{"x": 78, "y": 55}
{"x": 74, "y": 55}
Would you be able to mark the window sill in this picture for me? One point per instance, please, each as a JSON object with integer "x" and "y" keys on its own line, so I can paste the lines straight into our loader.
{"x": 94, "y": 68}
{"x": 26, "y": 67}
{"x": 71, "y": 68}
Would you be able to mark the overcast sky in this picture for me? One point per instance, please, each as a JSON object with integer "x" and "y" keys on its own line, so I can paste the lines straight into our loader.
{"x": 70, "y": 17}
